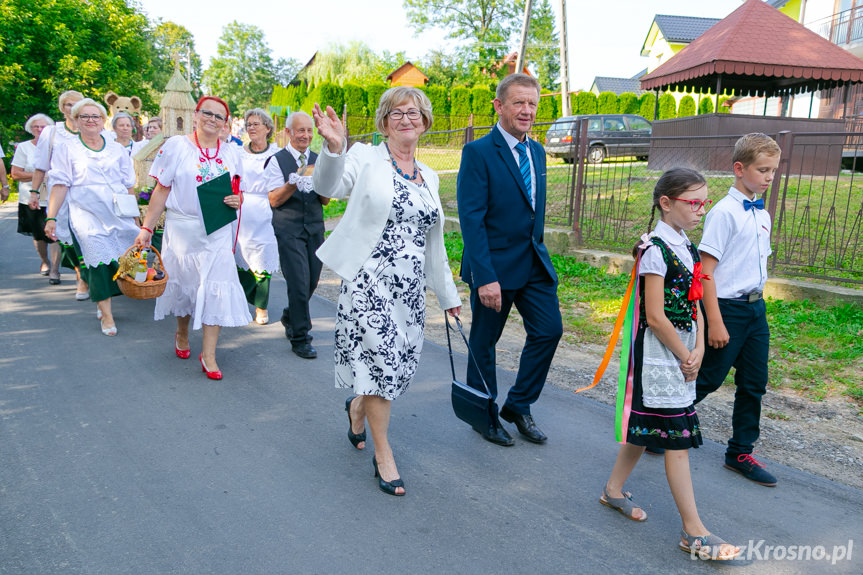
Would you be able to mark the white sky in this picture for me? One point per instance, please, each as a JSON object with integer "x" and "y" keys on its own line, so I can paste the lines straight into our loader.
{"x": 605, "y": 36}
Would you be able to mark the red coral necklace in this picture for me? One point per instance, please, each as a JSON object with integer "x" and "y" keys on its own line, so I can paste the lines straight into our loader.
{"x": 203, "y": 153}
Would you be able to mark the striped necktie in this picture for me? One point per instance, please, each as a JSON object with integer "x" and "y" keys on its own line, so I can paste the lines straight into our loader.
{"x": 524, "y": 166}
{"x": 302, "y": 161}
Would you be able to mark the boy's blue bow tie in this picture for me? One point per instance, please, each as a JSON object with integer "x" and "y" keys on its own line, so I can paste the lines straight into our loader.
{"x": 748, "y": 205}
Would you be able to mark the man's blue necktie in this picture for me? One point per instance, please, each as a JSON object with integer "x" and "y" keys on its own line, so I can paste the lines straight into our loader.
{"x": 748, "y": 205}
{"x": 524, "y": 165}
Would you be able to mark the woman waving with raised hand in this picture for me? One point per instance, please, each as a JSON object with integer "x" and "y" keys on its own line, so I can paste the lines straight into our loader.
{"x": 388, "y": 245}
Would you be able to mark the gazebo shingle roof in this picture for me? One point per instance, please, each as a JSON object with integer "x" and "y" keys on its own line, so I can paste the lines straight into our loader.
{"x": 757, "y": 50}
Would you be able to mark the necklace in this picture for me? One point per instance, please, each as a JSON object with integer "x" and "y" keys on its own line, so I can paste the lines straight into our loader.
{"x": 399, "y": 170}
{"x": 203, "y": 153}
{"x": 266, "y": 147}
{"x": 88, "y": 147}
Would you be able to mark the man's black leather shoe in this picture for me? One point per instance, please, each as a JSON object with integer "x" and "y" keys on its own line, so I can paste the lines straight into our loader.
{"x": 497, "y": 434}
{"x": 525, "y": 425}
{"x": 305, "y": 350}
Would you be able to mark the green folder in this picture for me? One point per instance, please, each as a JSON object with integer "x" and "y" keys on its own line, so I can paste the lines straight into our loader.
{"x": 211, "y": 196}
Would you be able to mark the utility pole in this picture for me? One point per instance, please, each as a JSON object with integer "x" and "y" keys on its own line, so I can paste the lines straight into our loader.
{"x": 566, "y": 109}
{"x": 519, "y": 66}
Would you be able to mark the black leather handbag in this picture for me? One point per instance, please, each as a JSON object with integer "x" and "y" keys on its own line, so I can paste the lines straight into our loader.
{"x": 471, "y": 405}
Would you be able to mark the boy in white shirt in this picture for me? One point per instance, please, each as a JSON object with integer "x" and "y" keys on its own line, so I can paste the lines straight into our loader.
{"x": 734, "y": 252}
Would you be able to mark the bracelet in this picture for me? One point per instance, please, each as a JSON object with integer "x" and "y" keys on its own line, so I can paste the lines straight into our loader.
{"x": 50, "y": 219}
{"x": 147, "y": 229}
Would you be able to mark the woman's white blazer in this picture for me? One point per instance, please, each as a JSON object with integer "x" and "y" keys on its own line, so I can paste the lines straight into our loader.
{"x": 365, "y": 173}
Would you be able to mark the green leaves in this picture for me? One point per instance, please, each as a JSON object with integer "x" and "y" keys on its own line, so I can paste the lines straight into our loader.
{"x": 244, "y": 72}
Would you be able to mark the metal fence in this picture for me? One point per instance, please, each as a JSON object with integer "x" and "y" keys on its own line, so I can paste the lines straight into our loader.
{"x": 816, "y": 200}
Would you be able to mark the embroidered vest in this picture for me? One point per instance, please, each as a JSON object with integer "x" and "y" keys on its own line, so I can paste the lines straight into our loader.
{"x": 678, "y": 309}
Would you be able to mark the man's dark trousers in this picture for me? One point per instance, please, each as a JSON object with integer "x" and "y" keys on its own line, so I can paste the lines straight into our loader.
{"x": 542, "y": 322}
{"x": 746, "y": 351}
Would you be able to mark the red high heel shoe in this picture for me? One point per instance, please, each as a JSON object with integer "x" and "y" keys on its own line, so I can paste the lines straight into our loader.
{"x": 210, "y": 374}
{"x": 181, "y": 353}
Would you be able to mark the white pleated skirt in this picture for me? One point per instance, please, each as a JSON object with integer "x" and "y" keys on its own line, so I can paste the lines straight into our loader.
{"x": 202, "y": 275}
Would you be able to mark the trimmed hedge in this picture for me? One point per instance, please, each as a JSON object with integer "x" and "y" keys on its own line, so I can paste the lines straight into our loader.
{"x": 332, "y": 95}
{"x": 373, "y": 97}
{"x": 546, "y": 109}
{"x": 438, "y": 96}
{"x": 705, "y": 105}
{"x": 481, "y": 101}
{"x": 460, "y": 101}
{"x": 607, "y": 103}
{"x": 667, "y": 107}
{"x": 686, "y": 107}
{"x": 586, "y": 103}
{"x": 355, "y": 98}
{"x": 724, "y": 109}
{"x": 627, "y": 103}
{"x": 647, "y": 105}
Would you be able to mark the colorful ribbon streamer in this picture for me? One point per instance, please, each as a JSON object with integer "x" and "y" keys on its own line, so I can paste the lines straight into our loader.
{"x": 626, "y": 322}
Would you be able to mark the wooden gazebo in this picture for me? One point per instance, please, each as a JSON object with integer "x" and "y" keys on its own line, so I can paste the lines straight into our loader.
{"x": 757, "y": 51}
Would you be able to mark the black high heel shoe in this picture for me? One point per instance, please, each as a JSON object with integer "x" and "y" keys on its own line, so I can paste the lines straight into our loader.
{"x": 387, "y": 486}
{"x": 354, "y": 438}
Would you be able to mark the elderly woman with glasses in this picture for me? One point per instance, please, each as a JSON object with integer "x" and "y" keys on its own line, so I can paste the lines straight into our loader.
{"x": 203, "y": 288}
{"x": 86, "y": 174}
{"x": 257, "y": 252}
{"x": 53, "y": 137}
{"x": 31, "y": 220}
{"x": 388, "y": 245}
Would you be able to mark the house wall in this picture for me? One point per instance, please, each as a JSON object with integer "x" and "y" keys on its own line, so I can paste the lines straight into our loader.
{"x": 410, "y": 77}
{"x": 660, "y": 51}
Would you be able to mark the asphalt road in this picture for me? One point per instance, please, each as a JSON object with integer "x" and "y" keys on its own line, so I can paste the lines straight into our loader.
{"x": 116, "y": 457}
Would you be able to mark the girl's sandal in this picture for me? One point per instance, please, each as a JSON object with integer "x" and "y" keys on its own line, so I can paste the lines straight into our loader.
{"x": 623, "y": 504}
{"x": 705, "y": 546}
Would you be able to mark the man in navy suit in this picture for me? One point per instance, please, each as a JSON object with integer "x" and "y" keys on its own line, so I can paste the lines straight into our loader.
{"x": 501, "y": 208}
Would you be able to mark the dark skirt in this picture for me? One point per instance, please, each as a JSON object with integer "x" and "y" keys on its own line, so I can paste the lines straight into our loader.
{"x": 675, "y": 428}
{"x": 256, "y": 286}
{"x": 32, "y": 223}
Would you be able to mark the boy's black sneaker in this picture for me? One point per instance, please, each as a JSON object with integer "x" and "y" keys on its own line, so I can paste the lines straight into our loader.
{"x": 750, "y": 468}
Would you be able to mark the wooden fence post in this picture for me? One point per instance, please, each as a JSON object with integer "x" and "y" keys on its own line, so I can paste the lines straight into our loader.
{"x": 468, "y": 131}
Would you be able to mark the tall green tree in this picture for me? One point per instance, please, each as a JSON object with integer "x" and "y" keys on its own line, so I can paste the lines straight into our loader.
{"x": 244, "y": 72}
{"x": 487, "y": 27}
{"x": 171, "y": 40}
{"x": 49, "y": 46}
{"x": 543, "y": 52}
{"x": 352, "y": 62}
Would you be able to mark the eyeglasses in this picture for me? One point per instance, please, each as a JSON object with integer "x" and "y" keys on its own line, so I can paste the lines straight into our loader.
{"x": 210, "y": 115}
{"x": 253, "y": 125}
{"x": 412, "y": 114}
{"x": 695, "y": 204}
{"x": 89, "y": 118}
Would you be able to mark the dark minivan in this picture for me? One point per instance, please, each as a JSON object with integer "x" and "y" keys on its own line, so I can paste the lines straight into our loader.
{"x": 608, "y": 136}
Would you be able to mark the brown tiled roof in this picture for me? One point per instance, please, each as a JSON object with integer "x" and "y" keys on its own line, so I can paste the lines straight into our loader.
{"x": 758, "y": 50}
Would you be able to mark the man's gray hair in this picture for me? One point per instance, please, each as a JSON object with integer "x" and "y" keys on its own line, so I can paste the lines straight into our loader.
{"x": 289, "y": 123}
{"x": 35, "y": 118}
{"x": 516, "y": 80}
{"x": 265, "y": 119}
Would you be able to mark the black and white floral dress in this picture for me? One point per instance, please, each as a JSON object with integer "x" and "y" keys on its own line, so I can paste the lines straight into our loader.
{"x": 381, "y": 313}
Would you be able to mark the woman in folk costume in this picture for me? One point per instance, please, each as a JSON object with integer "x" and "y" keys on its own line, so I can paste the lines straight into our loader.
{"x": 203, "y": 288}
{"x": 87, "y": 174}
{"x": 257, "y": 253}
{"x": 662, "y": 352}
